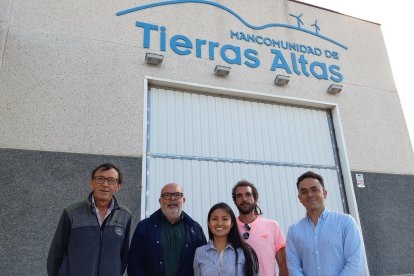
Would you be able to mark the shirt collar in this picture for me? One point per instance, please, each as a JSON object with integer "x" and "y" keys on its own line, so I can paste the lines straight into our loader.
{"x": 111, "y": 205}
{"x": 257, "y": 218}
{"x": 164, "y": 218}
{"x": 210, "y": 245}
{"x": 323, "y": 215}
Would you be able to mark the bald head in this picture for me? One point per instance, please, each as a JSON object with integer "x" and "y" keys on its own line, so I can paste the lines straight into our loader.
{"x": 170, "y": 186}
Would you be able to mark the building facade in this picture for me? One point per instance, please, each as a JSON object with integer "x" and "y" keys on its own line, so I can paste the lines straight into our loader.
{"x": 243, "y": 91}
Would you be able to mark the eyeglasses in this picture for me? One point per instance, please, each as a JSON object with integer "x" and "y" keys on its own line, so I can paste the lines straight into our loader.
{"x": 109, "y": 180}
{"x": 172, "y": 195}
{"x": 246, "y": 235}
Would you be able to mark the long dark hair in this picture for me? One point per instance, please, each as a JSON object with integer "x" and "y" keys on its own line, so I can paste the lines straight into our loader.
{"x": 252, "y": 265}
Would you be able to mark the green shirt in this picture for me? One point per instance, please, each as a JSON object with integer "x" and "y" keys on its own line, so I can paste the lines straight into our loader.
{"x": 172, "y": 242}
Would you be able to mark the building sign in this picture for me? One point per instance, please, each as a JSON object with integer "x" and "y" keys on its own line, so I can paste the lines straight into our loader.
{"x": 293, "y": 63}
{"x": 360, "y": 180}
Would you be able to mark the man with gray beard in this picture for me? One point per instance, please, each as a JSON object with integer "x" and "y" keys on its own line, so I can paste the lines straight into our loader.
{"x": 164, "y": 244}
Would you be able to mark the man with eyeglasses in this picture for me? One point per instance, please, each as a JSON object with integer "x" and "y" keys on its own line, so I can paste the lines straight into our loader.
{"x": 264, "y": 235}
{"x": 92, "y": 237}
{"x": 164, "y": 244}
{"x": 323, "y": 242}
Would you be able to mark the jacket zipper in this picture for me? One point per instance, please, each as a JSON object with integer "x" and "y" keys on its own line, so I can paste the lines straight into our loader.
{"x": 101, "y": 229}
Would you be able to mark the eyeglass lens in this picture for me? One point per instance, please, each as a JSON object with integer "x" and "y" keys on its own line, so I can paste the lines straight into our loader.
{"x": 172, "y": 195}
{"x": 109, "y": 180}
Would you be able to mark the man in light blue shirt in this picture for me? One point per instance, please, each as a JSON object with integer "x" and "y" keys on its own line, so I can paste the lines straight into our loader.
{"x": 323, "y": 242}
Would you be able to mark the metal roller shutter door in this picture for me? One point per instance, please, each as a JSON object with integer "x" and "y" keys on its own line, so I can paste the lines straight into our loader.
{"x": 207, "y": 143}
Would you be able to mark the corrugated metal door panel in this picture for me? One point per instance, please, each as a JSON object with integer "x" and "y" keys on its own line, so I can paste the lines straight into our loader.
{"x": 208, "y": 143}
{"x": 206, "y": 183}
{"x": 199, "y": 125}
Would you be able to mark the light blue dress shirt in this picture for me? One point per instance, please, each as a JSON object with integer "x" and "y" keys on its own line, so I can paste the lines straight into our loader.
{"x": 332, "y": 247}
{"x": 208, "y": 262}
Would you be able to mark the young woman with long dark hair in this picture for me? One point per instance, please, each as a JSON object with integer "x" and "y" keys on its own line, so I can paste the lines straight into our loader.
{"x": 226, "y": 254}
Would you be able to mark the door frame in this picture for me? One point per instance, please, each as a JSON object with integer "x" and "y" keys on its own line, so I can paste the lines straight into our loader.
{"x": 244, "y": 94}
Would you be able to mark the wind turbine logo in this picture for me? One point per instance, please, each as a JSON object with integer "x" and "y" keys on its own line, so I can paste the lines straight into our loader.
{"x": 300, "y": 22}
{"x": 317, "y": 29}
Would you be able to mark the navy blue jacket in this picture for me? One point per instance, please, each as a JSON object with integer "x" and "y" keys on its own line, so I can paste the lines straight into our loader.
{"x": 82, "y": 247}
{"x": 145, "y": 256}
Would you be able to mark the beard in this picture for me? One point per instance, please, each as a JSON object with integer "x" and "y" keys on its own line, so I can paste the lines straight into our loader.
{"x": 246, "y": 209}
{"x": 172, "y": 214}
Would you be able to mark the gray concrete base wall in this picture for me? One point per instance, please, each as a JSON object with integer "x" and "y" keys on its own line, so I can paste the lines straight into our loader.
{"x": 386, "y": 210}
{"x": 35, "y": 187}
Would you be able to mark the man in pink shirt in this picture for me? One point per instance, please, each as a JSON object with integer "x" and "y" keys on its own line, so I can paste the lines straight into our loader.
{"x": 264, "y": 235}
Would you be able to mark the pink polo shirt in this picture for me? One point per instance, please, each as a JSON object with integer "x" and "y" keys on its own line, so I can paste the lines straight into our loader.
{"x": 266, "y": 238}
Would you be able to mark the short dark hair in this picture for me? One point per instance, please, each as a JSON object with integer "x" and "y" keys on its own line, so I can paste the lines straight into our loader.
{"x": 234, "y": 238}
{"x": 245, "y": 183}
{"x": 310, "y": 174}
{"x": 107, "y": 167}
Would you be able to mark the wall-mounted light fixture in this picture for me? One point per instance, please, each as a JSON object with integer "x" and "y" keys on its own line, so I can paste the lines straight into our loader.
{"x": 282, "y": 80}
{"x": 334, "y": 89}
{"x": 153, "y": 59}
{"x": 222, "y": 70}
